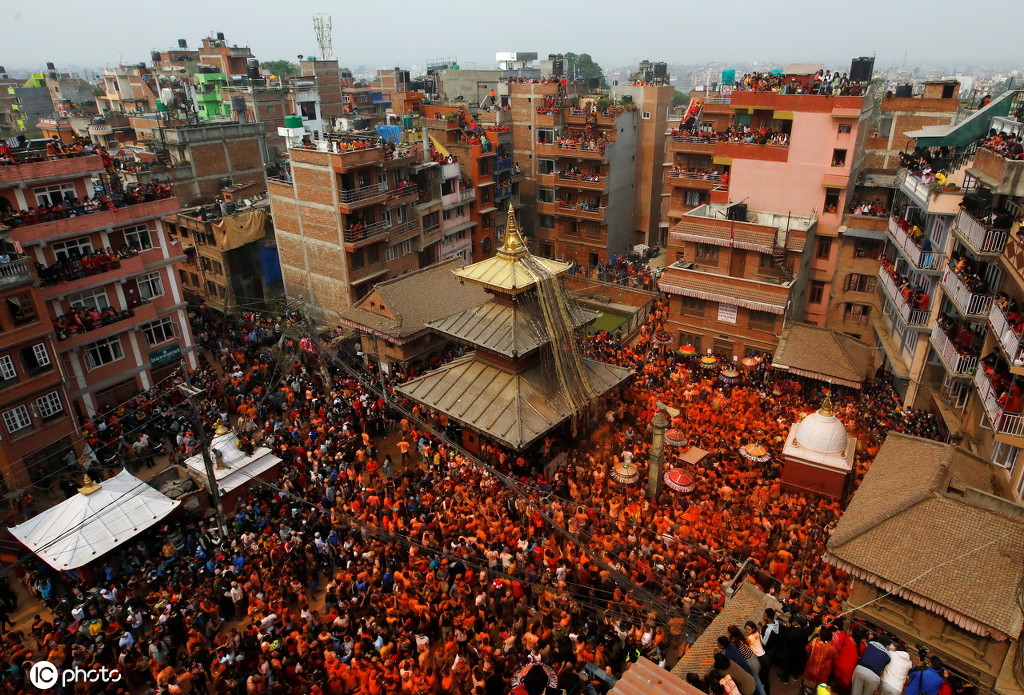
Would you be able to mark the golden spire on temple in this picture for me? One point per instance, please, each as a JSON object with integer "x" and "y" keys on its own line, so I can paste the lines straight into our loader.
{"x": 826, "y": 407}
{"x": 512, "y": 244}
{"x": 88, "y": 486}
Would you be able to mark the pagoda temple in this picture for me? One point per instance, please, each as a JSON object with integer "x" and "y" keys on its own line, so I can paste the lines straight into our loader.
{"x": 527, "y": 375}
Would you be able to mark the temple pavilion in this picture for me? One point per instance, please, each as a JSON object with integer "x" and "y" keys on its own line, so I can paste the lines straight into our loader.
{"x": 527, "y": 375}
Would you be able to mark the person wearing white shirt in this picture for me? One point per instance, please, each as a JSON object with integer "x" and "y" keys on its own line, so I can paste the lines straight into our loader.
{"x": 894, "y": 677}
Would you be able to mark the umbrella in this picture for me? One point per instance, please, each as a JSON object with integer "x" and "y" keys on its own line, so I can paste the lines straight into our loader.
{"x": 662, "y": 338}
{"x": 675, "y": 437}
{"x": 749, "y": 362}
{"x": 708, "y": 362}
{"x": 755, "y": 452}
{"x": 625, "y": 473}
{"x": 688, "y": 351}
{"x": 680, "y": 480}
{"x": 535, "y": 674}
{"x": 730, "y": 375}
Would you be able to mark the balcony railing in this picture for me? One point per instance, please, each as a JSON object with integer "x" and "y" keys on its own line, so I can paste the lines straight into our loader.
{"x": 403, "y": 191}
{"x": 365, "y": 233}
{"x": 1011, "y": 424}
{"x": 595, "y": 212}
{"x": 55, "y": 229}
{"x": 502, "y": 164}
{"x": 468, "y": 194}
{"x": 968, "y": 303}
{"x": 981, "y": 237}
{"x": 431, "y": 229}
{"x": 37, "y": 166}
{"x": 363, "y": 193}
{"x": 922, "y": 260}
{"x": 14, "y": 273}
{"x": 956, "y": 362}
{"x": 695, "y": 175}
{"x": 910, "y": 315}
{"x": 501, "y": 192}
{"x": 1009, "y": 339}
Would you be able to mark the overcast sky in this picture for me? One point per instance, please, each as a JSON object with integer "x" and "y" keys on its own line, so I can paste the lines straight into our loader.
{"x": 400, "y": 32}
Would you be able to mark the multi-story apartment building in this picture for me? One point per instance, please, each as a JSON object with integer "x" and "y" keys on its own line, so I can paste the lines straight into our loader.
{"x": 353, "y": 210}
{"x": 106, "y": 278}
{"x": 36, "y": 418}
{"x": 769, "y": 176}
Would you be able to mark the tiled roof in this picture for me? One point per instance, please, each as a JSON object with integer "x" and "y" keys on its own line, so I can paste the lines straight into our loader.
{"x": 931, "y": 523}
{"x": 405, "y": 297}
{"x": 508, "y": 330}
{"x": 748, "y": 603}
{"x": 514, "y": 408}
{"x": 717, "y": 288}
{"x": 824, "y": 354}
{"x": 752, "y": 237}
{"x": 644, "y": 677}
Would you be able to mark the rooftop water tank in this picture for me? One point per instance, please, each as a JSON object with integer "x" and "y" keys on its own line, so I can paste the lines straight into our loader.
{"x": 293, "y": 121}
{"x": 729, "y": 76}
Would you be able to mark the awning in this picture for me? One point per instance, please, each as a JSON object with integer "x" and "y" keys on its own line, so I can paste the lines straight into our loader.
{"x": 370, "y": 277}
{"x": 87, "y": 525}
{"x": 719, "y": 297}
{"x": 835, "y": 180}
{"x": 782, "y": 115}
{"x": 724, "y": 161}
{"x": 845, "y": 113}
{"x": 458, "y": 228}
{"x": 857, "y": 232}
{"x": 966, "y": 131}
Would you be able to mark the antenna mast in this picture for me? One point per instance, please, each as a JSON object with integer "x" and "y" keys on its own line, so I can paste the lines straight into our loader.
{"x": 322, "y": 27}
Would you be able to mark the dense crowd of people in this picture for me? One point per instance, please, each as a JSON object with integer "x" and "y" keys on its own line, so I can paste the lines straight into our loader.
{"x": 417, "y": 570}
{"x": 48, "y": 210}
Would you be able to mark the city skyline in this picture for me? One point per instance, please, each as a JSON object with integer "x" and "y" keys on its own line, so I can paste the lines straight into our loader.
{"x": 754, "y": 35}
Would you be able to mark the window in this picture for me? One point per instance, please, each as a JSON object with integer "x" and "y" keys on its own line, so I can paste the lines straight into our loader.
{"x": 151, "y": 286}
{"x": 867, "y": 249}
{"x": 545, "y": 166}
{"x": 845, "y": 129}
{"x": 396, "y": 251}
{"x": 307, "y": 109}
{"x": 485, "y": 194}
{"x": 824, "y": 249}
{"x": 49, "y": 406}
{"x": 193, "y": 279}
{"x": 103, "y": 352}
{"x": 859, "y": 283}
{"x": 816, "y": 292}
{"x": 35, "y": 359}
{"x": 485, "y": 244}
{"x": 57, "y": 193}
{"x": 546, "y": 221}
{"x": 484, "y": 167}
{"x": 857, "y": 313}
{"x": 707, "y": 252}
{"x": 752, "y": 352}
{"x": 546, "y": 195}
{"x": 761, "y": 320}
{"x": 831, "y": 201}
{"x": 159, "y": 331}
{"x": 690, "y": 339}
{"x": 17, "y": 419}
{"x": 63, "y": 250}
{"x": 373, "y": 254}
{"x": 90, "y": 299}
{"x": 545, "y": 135}
{"x": 182, "y": 277}
{"x": 838, "y": 158}
{"x": 139, "y": 237}
{"x": 694, "y": 198}
{"x": 691, "y": 306}
{"x": 7, "y": 371}
{"x": 646, "y": 115}
{"x": 357, "y": 259}
{"x": 21, "y": 309}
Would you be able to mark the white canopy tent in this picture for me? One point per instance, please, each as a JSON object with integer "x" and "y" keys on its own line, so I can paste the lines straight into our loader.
{"x": 96, "y": 520}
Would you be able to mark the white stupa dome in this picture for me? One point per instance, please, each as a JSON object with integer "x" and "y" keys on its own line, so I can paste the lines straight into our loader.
{"x": 822, "y": 431}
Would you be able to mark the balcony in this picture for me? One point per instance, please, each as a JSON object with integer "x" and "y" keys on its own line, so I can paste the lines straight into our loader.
{"x": 694, "y": 144}
{"x": 581, "y": 210}
{"x": 930, "y": 197}
{"x": 450, "y": 171}
{"x": 127, "y": 319}
{"x": 57, "y": 285}
{"x": 365, "y": 234}
{"x": 752, "y": 151}
{"x": 1005, "y": 425}
{"x": 1009, "y": 340}
{"x": 957, "y": 363}
{"x": 502, "y": 192}
{"x": 590, "y": 182}
{"x": 55, "y": 167}
{"x": 703, "y": 181}
{"x": 351, "y": 199}
{"x": 1004, "y": 176}
{"x": 969, "y": 304}
{"x": 915, "y": 318}
{"x": 502, "y": 164}
{"x": 15, "y": 273}
{"x": 564, "y": 149}
{"x": 403, "y": 154}
{"x": 546, "y": 118}
{"x": 403, "y": 194}
{"x": 980, "y": 238}
{"x": 925, "y": 261}
{"x": 431, "y": 230}
{"x": 72, "y": 226}
{"x": 342, "y": 160}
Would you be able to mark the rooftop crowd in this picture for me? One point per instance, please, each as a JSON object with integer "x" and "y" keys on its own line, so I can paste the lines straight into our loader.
{"x": 357, "y": 571}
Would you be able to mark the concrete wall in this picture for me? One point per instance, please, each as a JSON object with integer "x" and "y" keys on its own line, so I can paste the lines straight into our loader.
{"x": 621, "y": 157}
{"x": 471, "y": 85}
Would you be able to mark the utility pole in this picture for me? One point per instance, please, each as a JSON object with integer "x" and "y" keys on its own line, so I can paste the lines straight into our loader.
{"x": 192, "y": 398}
{"x": 656, "y": 463}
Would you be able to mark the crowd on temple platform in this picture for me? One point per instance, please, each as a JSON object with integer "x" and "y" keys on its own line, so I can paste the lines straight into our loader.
{"x": 359, "y": 572}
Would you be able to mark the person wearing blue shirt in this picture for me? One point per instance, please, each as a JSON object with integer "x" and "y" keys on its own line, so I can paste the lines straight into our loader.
{"x": 926, "y": 679}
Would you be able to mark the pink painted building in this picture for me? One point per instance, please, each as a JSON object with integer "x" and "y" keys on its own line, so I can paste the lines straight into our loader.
{"x": 113, "y": 268}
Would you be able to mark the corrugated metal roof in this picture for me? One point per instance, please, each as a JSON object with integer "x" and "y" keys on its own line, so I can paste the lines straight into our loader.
{"x": 506, "y": 330}
{"x": 647, "y": 678}
{"x": 515, "y": 409}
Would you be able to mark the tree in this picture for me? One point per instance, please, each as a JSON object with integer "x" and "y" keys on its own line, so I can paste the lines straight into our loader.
{"x": 581, "y": 65}
{"x": 680, "y": 98}
{"x": 282, "y": 68}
